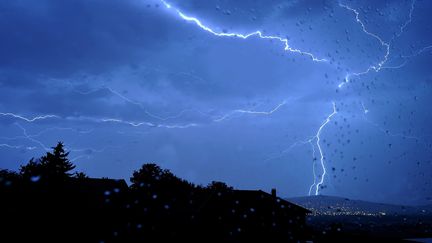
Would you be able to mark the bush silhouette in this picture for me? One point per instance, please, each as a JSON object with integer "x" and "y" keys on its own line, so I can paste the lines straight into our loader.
{"x": 151, "y": 176}
{"x": 218, "y": 186}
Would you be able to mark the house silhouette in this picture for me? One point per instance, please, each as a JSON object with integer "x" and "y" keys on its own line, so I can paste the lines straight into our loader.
{"x": 251, "y": 215}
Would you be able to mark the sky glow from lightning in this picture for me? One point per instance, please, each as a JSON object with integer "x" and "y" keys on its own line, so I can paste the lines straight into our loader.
{"x": 286, "y": 48}
{"x": 376, "y": 68}
{"x": 151, "y": 109}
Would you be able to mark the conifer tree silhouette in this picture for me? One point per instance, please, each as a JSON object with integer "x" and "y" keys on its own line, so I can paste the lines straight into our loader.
{"x": 53, "y": 165}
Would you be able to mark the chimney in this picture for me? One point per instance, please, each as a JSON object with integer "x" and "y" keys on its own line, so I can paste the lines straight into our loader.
{"x": 273, "y": 192}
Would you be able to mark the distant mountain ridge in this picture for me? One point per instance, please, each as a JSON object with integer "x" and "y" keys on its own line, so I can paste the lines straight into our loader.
{"x": 330, "y": 205}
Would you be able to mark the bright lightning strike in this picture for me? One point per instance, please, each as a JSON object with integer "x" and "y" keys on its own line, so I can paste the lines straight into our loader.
{"x": 317, "y": 139}
{"x": 314, "y": 141}
{"x": 257, "y": 33}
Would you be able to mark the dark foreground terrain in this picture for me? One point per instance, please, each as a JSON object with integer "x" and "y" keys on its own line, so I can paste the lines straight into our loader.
{"x": 45, "y": 202}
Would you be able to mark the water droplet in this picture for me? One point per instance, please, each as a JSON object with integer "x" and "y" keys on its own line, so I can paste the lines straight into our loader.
{"x": 35, "y": 178}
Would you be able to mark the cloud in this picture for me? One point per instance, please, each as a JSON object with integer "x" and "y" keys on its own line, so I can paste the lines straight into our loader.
{"x": 60, "y": 38}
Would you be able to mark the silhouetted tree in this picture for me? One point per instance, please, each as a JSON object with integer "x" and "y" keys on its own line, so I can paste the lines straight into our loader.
{"x": 53, "y": 165}
{"x": 32, "y": 168}
{"x": 150, "y": 179}
{"x": 218, "y": 186}
{"x": 151, "y": 175}
{"x": 57, "y": 163}
{"x": 80, "y": 175}
{"x": 8, "y": 175}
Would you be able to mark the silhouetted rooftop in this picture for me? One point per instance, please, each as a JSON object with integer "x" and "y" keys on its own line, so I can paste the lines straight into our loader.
{"x": 268, "y": 198}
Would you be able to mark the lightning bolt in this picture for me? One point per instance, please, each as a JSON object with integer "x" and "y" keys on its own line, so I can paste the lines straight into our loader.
{"x": 257, "y": 33}
{"x": 318, "y": 180}
{"x": 286, "y": 48}
{"x": 388, "y": 132}
{"x": 142, "y": 107}
{"x": 314, "y": 141}
{"x": 289, "y": 148}
{"x": 408, "y": 57}
{"x": 4, "y": 145}
{"x": 138, "y": 124}
{"x": 250, "y": 112}
{"x": 168, "y": 126}
{"x": 408, "y": 21}
{"x": 36, "y": 118}
{"x": 418, "y": 52}
{"x": 317, "y": 139}
{"x": 181, "y": 113}
{"x": 182, "y": 126}
{"x": 31, "y": 138}
{"x": 126, "y": 122}
{"x": 379, "y": 65}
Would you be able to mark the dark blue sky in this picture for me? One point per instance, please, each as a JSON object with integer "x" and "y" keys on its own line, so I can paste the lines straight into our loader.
{"x": 125, "y": 82}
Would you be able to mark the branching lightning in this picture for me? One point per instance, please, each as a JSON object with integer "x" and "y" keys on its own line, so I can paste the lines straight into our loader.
{"x": 142, "y": 107}
{"x": 387, "y": 45}
{"x": 187, "y": 125}
{"x": 377, "y": 67}
{"x": 388, "y": 132}
{"x": 314, "y": 141}
{"x": 402, "y": 28}
{"x": 258, "y": 34}
{"x": 418, "y": 52}
{"x": 178, "y": 115}
{"x": 31, "y": 138}
{"x": 286, "y": 48}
